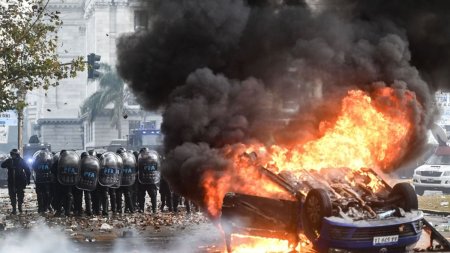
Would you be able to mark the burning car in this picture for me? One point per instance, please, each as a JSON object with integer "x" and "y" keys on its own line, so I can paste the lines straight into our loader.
{"x": 337, "y": 210}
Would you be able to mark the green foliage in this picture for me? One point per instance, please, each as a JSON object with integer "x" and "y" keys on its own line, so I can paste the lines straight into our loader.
{"x": 112, "y": 90}
{"x": 28, "y": 51}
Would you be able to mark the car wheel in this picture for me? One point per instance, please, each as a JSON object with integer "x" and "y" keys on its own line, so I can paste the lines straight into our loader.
{"x": 407, "y": 198}
{"x": 419, "y": 190}
{"x": 317, "y": 206}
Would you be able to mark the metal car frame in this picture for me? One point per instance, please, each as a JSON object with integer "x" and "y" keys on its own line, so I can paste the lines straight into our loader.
{"x": 282, "y": 219}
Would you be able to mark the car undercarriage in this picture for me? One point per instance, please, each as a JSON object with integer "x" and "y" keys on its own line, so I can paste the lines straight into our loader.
{"x": 332, "y": 208}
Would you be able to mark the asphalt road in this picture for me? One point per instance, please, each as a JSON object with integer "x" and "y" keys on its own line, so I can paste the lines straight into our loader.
{"x": 163, "y": 232}
{"x": 197, "y": 238}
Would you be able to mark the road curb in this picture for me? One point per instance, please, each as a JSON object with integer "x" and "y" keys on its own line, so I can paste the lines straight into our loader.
{"x": 436, "y": 212}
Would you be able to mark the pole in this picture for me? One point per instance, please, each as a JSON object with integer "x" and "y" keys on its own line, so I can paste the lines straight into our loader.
{"x": 20, "y": 107}
{"x": 20, "y": 131}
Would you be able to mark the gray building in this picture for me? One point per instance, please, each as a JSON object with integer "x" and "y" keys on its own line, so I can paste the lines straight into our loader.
{"x": 89, "y": 26}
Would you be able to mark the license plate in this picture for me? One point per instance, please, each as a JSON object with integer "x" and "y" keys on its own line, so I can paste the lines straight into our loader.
{"x": 380, "y": 240}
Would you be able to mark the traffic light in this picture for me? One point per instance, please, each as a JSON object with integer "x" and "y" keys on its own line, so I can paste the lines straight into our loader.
{"x": 93, "y": 65}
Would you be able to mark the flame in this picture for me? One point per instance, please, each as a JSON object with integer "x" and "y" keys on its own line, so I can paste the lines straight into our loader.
{"x": 371, "y": 131}
{"x": 238, "y": 180}
{"x": 362, "y": 136}
{"x": 256, "y": 244}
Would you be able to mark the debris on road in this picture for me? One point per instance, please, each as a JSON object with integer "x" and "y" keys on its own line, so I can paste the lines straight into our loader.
{"x": 93, "y": 228}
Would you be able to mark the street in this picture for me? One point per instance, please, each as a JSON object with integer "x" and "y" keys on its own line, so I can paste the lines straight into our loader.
{"x": 163, "y": 232}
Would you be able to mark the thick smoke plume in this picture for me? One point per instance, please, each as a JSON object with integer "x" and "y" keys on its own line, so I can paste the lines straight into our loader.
{"x": 231, "y": 71}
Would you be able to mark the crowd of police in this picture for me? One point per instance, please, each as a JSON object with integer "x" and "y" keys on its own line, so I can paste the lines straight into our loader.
{"x": 108, "y": 182}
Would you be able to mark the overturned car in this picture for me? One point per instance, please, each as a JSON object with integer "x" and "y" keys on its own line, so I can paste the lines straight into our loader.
{"x": 337, "y": 210}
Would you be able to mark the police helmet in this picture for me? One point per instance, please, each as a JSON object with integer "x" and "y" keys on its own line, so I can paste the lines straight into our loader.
{"x": 143, "y": 150}
{"x": 14, "y": 152}
{"x": 92, "y": 152}
{"x": 121, "y": 150}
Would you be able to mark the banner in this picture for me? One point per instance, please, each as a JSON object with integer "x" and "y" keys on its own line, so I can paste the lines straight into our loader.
{"x": 4, "y": 134}
{"x": 8, "y": 118}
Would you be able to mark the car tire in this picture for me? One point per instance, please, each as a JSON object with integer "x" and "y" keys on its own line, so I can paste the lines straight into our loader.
{"x": 419, "y": 190}
{"x": 406, "y": 195}
{"x": 317, "y": 206}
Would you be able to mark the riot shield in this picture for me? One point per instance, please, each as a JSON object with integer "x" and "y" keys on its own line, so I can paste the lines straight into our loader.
{"x": 110, "y": 170}
{"x": 69, "y": 168}
{"x": 129, "y": 171}
{"x": 42, "y": 163}
{"x": 90, "y": 170}
{"x": 120, "y": 167}
{"x": 148, "y": 167}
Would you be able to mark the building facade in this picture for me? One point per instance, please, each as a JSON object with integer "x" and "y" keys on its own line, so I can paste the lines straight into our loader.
{"x": 89, "y": 26}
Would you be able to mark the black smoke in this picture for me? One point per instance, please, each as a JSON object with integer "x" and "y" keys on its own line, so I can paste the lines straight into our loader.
{"x": 231, "y": 71}
{"x": 425, "y": 25}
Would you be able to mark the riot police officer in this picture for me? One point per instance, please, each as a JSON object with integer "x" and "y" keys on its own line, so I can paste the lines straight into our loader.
{"x": 100, "y": 202}
{"x": 128, "y": 180}
{"x": 78, "y": 197}
{"x": 112, "y": 199}
{"x": 166, "y": 195}
{"x": 54, "y": 197}
{"x": 149, "y": 177}
{"x": 177, "y": 200}
{"x": 134, "y": 189}
{"x": 18, "y": 177}
{"x": 110, "y": 175}
{"x": 66, "y": 180}
{"x": 113, "y": 190}
{"x": 43, "y": 178}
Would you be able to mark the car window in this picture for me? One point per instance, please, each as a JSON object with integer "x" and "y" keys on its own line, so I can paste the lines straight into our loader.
{"x": 439, "y": 160}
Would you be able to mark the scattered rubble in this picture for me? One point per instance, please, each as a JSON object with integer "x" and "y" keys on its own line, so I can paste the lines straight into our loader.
{"x": 93, "y": 228}
{"x": 435, "y": 201}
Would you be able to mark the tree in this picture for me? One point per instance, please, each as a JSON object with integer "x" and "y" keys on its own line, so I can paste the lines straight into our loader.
{"x": 28, "y": 53}
{"x": 112, "y": 90}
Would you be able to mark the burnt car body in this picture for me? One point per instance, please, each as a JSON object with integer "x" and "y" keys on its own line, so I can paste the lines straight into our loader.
{"x": 336, "y": 212}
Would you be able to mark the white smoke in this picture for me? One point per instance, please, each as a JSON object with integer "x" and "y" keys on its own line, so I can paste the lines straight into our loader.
{"x": 44, "y": 239}
{"x": 40, "y": 239}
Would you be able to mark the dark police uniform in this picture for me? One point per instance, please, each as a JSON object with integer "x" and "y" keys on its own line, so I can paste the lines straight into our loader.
{"x": 18, "y": 177}
{"x": 166, "y": 195}
{"x": 41, "y": 166}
